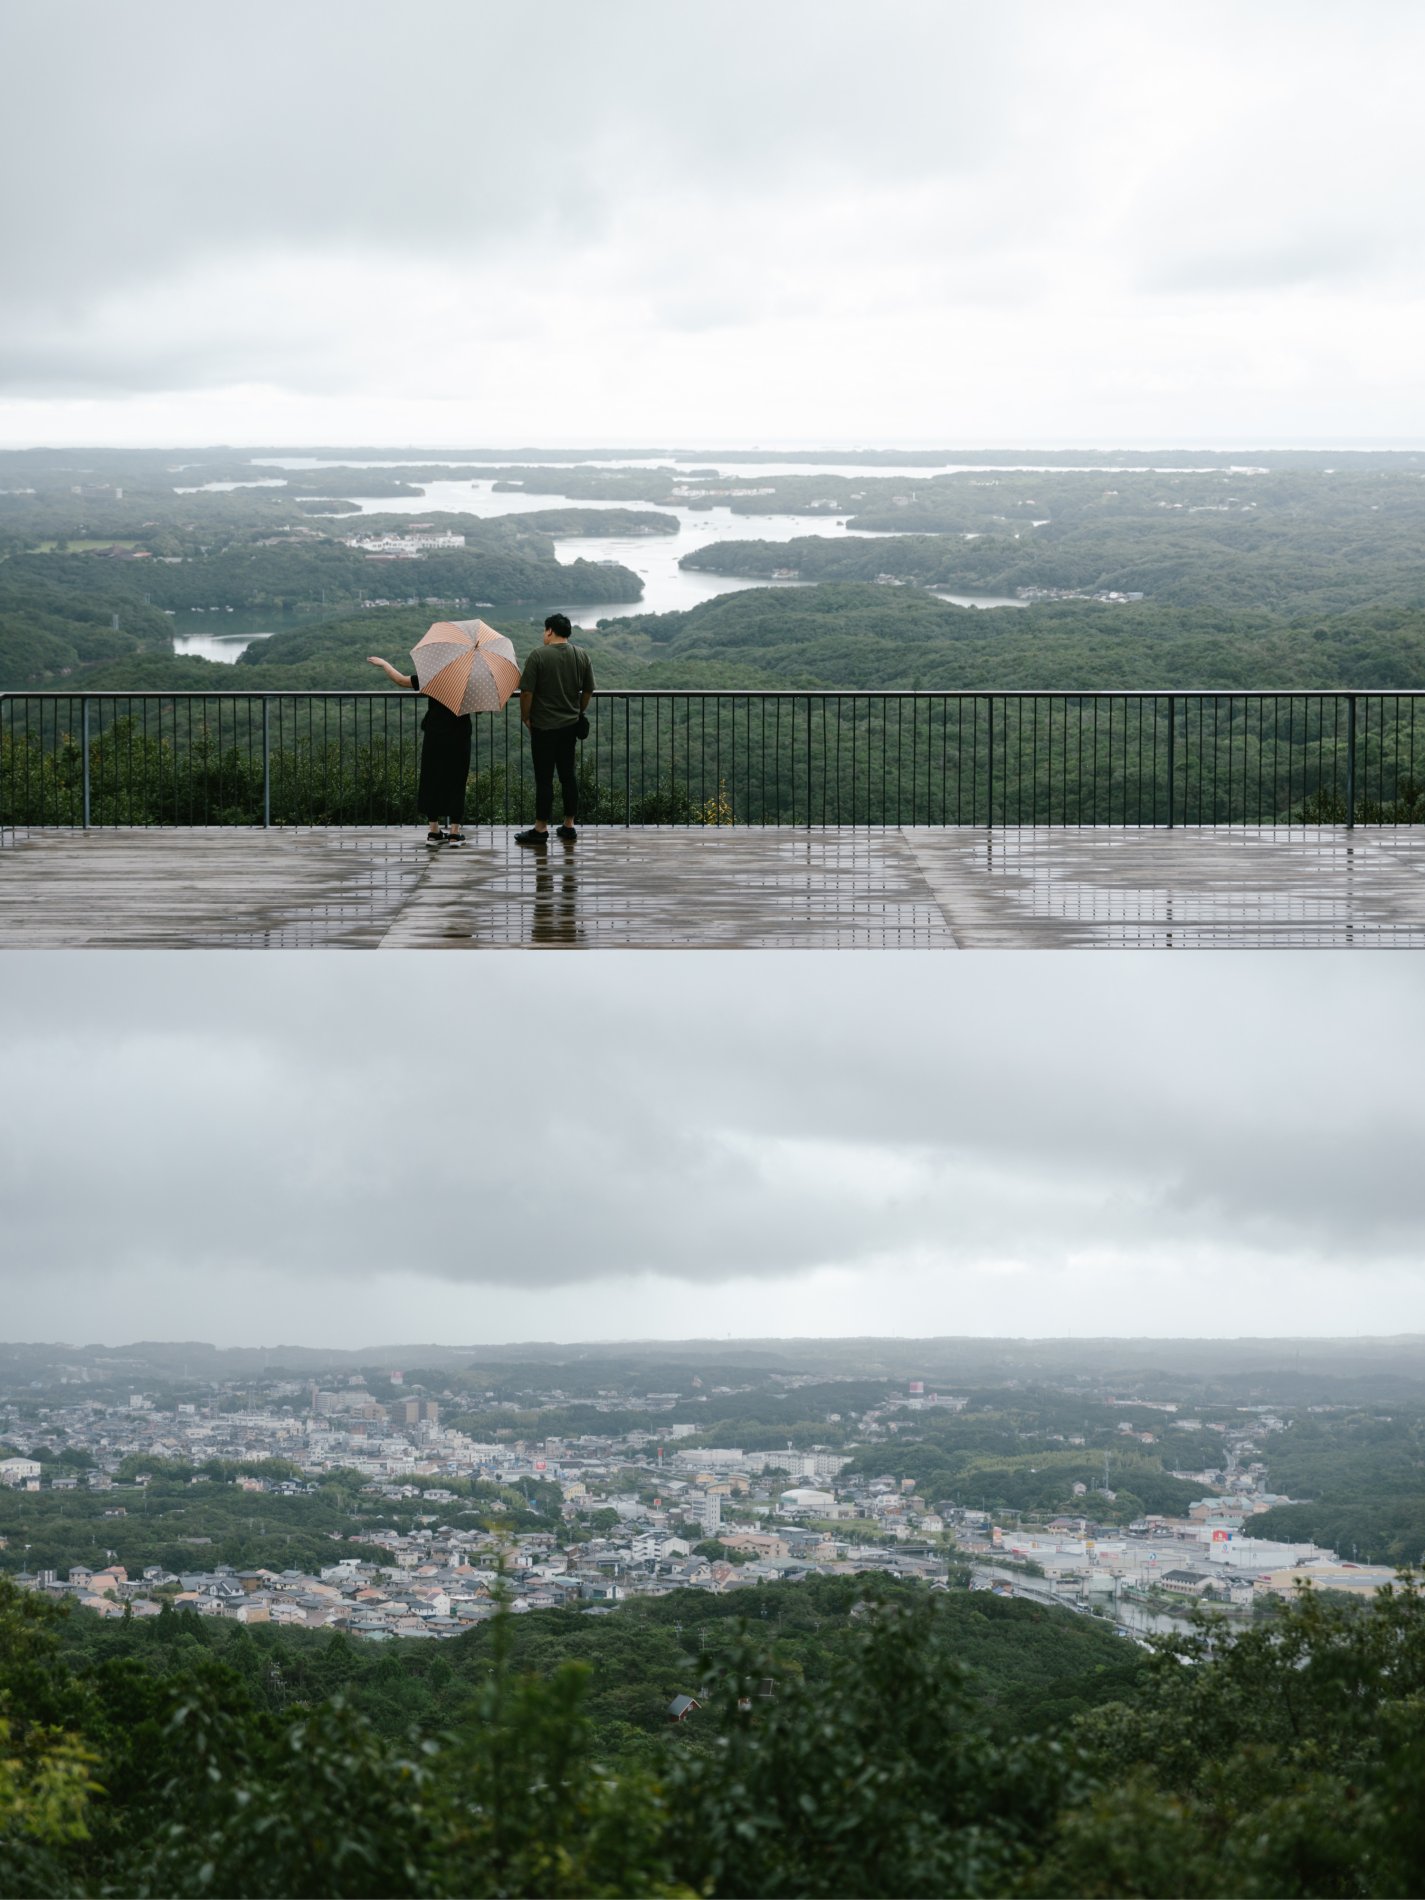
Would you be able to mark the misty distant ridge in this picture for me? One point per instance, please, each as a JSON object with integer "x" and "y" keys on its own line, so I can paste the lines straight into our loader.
{"x": 946, "y": 1357}
{"x": 1281, "y": 452}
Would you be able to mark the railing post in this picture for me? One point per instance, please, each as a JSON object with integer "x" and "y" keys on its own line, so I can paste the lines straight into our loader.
{"x": 84, "y": 750}
{"x": 628, "y": 760}
{"x": 266, "y": 764}
{"x": 1172, "y": 755}
{"x": 809, "y": 762}
{"x": 990, "y": 767}
{"x": 1350, "y": 762}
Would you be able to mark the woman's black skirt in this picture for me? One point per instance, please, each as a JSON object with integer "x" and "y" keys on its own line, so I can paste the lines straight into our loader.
{"x": 445, "y": 764}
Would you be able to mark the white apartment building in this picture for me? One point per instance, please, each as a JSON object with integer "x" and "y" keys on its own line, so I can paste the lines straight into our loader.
{"x": 706, "y": 1513}
{"x": 406, "y": 543}
{"x": 798, "y": 1464}
{"x": 716, "y": 1459}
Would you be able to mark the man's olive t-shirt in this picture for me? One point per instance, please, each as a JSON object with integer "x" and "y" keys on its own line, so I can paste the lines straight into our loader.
{"x": 558, "y": 675}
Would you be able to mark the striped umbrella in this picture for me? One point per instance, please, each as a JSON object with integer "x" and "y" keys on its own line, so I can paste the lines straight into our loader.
{"x": 466, "y": 665}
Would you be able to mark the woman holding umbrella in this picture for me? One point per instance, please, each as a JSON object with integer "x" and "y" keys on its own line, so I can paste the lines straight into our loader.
{"x": 462, "y": 667}
{"x": 445, "y": 762}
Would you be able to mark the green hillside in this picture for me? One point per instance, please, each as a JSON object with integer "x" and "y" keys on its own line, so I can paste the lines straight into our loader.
{"x": 915, "y": 1744}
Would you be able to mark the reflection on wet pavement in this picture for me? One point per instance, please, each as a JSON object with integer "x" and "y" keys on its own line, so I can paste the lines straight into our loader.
{"x": 621, "y": 889}
{"x": 1188, "y": 889}
{"x": 715, "y": 888}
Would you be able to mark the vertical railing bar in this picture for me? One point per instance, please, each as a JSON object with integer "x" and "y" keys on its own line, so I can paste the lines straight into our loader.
{"x": 944, "y": 754}
{"x": 885, "y": 713}
{"x": 1172, "y": 742}
{"x": 718, "y": 779}
{"x": 1157, "y": 725}
{"x": 84, "y": 764}
{"x": 900, "y": 755}
{"x": 1261, "y": 713}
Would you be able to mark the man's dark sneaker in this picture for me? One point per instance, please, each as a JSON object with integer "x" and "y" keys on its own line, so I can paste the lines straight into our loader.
{"x": 567, "y": 834}
{"x": 433, "y": 840}
{"x": 455, "y": 837}
{"x": 536, "y": 838}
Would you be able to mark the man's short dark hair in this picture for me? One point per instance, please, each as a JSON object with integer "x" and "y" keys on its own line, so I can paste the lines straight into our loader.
{"x": 558, "y": 623}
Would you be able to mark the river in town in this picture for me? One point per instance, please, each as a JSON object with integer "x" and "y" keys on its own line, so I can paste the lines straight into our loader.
{"x": 1128, "y": 1613}
{"x": 1131, "y": 1615}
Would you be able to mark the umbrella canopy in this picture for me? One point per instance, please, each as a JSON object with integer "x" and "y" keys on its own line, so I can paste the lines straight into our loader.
{"x": 466, "y": 665}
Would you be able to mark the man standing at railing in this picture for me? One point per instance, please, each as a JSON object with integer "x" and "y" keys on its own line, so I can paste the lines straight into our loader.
{"x": 555, "y": 689}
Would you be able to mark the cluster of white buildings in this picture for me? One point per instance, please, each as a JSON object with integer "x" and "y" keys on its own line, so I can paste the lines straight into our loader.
{"x": 1182, "y": 1557}
{"x": 406, "y": 547}
{"x": 1075, "y": 593}
{"x": 682, "y": 491}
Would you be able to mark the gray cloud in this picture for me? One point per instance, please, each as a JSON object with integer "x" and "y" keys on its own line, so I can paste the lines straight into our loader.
{"x": 1276, "y": 260}
{"x": 165, "y": 133}
{"x": 807, "y": 193}
{"x": 711, "y": 1120}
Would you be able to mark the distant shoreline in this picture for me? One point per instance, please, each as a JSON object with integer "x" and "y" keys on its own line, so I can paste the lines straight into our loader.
{"x": 919, "y": 451}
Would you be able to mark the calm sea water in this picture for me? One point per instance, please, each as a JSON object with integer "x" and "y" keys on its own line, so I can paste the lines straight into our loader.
{"x": 222, "y": 636}
{"x": 667, "y": 587}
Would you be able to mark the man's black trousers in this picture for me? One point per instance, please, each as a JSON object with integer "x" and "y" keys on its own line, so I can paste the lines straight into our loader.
{"x": 551, "y": 752}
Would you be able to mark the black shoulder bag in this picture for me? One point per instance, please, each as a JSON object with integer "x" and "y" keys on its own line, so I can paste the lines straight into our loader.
{"x": 581, "y": 728}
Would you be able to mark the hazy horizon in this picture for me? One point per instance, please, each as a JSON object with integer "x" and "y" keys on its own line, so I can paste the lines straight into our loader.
{"x": 382, "y": 1349}
{"x": 1403, "y": 445}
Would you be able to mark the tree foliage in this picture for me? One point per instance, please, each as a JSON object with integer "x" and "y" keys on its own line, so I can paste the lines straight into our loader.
{"x": 1284, "y": 1758}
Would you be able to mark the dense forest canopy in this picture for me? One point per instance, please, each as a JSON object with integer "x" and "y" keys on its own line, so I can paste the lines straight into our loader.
{"x": 914, "y": 1744}
{"x": 1359, "y": 1474}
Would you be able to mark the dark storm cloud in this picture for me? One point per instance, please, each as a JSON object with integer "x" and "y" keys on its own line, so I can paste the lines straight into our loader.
{"x": 709, "y": 1118}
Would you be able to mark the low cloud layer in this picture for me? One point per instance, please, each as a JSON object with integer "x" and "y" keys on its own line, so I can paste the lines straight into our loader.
{"x": 813, "y": 220}
{"x": 869, "y": 1126}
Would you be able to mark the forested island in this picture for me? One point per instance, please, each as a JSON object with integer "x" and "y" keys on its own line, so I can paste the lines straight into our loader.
{"x": 1287, "y": 542}
{"x": 850, "y": 635}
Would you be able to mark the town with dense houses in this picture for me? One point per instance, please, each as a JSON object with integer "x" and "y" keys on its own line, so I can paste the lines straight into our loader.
{"x": 636, "y": 1512}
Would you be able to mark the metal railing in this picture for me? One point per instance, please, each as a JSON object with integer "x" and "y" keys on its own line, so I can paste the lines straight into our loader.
{"x": 731, "y": 758}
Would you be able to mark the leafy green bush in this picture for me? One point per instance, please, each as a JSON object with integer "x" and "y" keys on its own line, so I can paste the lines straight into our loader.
{"x": 1280, "y": 1759}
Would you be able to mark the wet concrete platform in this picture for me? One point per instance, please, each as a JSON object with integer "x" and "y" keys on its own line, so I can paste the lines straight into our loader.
{"x": 831, "y": 889}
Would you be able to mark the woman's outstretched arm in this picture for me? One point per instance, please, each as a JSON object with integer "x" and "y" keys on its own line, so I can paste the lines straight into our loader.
{"x": 396, "y": 679}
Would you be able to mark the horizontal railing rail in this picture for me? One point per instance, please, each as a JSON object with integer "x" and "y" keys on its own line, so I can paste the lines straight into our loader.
{"x": 730, "y": 756}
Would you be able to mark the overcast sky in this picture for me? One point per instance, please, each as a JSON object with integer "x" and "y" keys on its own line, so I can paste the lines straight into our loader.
{"x": 814, "y": 221}
{"x": 333, "y": 1151}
